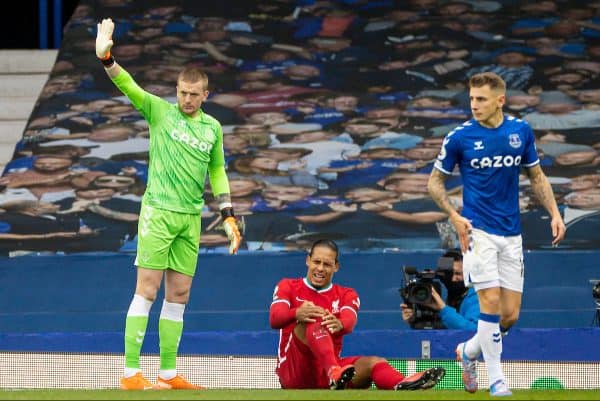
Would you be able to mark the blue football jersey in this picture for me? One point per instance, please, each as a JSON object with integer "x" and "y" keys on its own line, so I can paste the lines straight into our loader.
{"x": 489, "y": 160}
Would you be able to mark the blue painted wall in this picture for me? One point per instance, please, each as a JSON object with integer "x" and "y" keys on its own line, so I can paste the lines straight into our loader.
{"x": 83, "y": 293}
{"x": 577, "y": 344}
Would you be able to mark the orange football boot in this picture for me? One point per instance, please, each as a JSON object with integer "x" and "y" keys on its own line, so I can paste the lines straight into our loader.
{"x": 136, "y": 382}
{"x": 176, "y": 383}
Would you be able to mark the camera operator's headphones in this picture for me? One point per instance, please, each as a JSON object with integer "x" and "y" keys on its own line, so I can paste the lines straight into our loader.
{"x": 455, "y": 254}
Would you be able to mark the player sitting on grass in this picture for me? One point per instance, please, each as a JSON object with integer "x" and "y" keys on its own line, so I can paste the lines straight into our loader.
{"x": 312, "y": 316}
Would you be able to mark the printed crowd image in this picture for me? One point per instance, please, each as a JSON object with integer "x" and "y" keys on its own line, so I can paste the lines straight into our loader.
{"x": 332, "y": 115}
{"x": 277, "y": 199}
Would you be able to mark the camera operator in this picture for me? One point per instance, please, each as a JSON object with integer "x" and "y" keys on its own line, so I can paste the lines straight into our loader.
{"x": 461, "y": 309}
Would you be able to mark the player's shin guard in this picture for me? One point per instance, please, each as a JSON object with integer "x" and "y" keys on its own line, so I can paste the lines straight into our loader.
{"x": 320, "y": 342}
{"x": 473, "y": 347}
{"x": 170, "y": 327}
{"x": 135, "y": 330}
{"x": 488, "y": 332}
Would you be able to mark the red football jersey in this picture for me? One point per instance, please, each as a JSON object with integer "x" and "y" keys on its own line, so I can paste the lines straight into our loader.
{"x": 334, "y": 298}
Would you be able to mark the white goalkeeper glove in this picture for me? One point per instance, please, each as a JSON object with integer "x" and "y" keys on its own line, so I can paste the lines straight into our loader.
{"x": 233, "y": 234}
{"x": 104, "y": 38}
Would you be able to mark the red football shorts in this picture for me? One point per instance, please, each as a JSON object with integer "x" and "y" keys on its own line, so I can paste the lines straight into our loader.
{"x": 300, "y": 368}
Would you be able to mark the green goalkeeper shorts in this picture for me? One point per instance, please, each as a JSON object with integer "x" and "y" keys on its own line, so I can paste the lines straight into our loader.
{"x": 168, "y": 240}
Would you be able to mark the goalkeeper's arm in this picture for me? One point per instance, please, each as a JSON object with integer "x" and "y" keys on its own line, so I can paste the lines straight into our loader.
{"x": 120, "y": 77}
{"x": 229, "y": 222}
{"x": 230, "y": 225}
{"x": 220, "y": 187}
{"x": 104, "y": 43}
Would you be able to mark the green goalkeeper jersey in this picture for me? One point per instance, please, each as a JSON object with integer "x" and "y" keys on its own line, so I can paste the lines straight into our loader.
{"x": 182, "y": 151}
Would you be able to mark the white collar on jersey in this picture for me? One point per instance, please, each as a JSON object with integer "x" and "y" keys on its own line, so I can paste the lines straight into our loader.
{"x": 312, "y": 287}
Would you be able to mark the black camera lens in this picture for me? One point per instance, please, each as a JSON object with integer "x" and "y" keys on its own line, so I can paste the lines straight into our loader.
{"x": 420, "y": 293}
{"x": 417, "y": 293}
{"x": 596, "y": 291}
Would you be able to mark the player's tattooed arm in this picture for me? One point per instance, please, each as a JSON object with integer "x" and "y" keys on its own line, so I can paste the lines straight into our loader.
{"x": 438, "y": 192}
{"x": 543, "y": 190}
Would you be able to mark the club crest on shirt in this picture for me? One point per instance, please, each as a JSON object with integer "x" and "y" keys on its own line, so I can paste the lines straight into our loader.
{"x": 335, "y": 306}
{"x": 209, "y": 135}
{"x": 514, "y": 140}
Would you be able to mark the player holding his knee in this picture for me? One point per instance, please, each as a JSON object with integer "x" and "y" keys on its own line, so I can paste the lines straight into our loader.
{"x": 313, "y": 315}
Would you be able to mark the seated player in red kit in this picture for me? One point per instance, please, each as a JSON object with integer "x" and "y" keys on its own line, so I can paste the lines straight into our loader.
{"x": 312, "y": 316}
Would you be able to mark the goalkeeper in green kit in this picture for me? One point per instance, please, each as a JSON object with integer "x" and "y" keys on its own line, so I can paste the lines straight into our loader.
{"x": 185, "y": 145}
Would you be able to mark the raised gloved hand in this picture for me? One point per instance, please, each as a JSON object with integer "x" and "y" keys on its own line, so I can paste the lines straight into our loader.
{"x": 104, "y": 38}
{"x": 233, "y": 233}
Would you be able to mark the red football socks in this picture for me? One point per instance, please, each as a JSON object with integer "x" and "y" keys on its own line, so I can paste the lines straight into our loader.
{"x": 385, "y": 376}
{"x": 320, "y": 342}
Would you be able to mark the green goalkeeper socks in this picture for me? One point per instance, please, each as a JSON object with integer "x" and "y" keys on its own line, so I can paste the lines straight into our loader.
{"x": 135, "y": 330}
{"x": 169, "y": 332}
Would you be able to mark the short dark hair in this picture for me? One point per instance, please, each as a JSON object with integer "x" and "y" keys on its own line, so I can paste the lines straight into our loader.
{"x": 453, "y": 253}
{"x": 493, "y": 80}
{"x": 325, "y": 243}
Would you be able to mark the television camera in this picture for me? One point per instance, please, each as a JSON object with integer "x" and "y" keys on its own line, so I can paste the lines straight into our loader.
{"x": 417, "y": 292}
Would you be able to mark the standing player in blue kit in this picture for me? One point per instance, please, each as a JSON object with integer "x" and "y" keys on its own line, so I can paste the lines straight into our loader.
{"x": 489, "y": 150}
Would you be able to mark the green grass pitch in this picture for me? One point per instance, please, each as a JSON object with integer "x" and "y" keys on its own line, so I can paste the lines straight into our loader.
{"x": 60, "y": 394}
